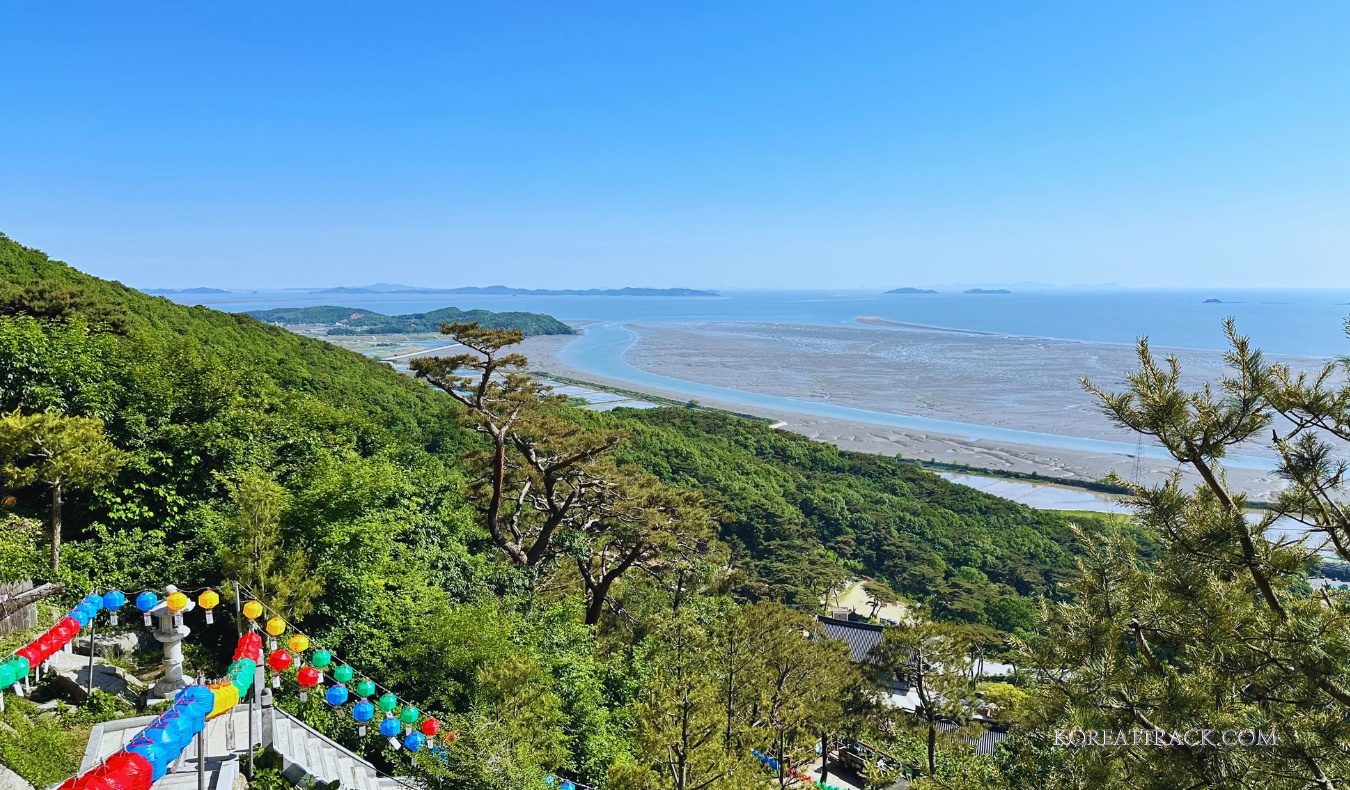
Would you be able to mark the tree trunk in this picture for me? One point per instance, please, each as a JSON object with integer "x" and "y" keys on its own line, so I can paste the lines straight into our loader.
{"x": 932, "y": 747}
{"x": 596, "y": 606}
{"x": 56, "y": 526}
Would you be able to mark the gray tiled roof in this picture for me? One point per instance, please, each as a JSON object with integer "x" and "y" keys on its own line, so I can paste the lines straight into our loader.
{"x": 860, "y": 637}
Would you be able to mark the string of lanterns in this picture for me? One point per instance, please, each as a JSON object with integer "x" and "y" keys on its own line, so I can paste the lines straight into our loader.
{"x": 772, "y": 764}
{"x": 418, "y": 731}
{"x": 147, "y": 756}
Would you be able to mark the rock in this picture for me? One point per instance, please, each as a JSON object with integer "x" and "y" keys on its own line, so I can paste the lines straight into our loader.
{"x": 12, "y": 781}
{"x": 70, "y": 675}
{"x": 115, "y": 644}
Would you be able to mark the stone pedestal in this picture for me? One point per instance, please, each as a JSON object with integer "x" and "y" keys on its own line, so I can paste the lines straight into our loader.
{"x": 171, "y": 636}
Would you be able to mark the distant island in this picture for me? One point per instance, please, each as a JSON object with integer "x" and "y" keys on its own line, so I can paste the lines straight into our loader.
{"x": 354, "y": 321}
{"x": 911, "y": 291}
{"x": 1213, "y": 301}
{"x": 502, "y": 290}
{"x": 172, "y": 291}
{"x": 988, "y": 291}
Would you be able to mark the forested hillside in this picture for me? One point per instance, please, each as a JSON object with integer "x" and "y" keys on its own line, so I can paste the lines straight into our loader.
{"x": 361, "y": 486}
{"x": 354, "y": 321}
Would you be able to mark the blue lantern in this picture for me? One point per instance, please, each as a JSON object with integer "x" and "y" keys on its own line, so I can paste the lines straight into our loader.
{"x": 336, "y": 695}
{"x": 80, "y": 616}
{"x": 390, "y": 727}
{"x": 414, "y": 742}
{"x": 114, "y": 600}
{"x": 147, "y": 601}
{"x": 567, "y": 785}
{"x": 363, "y": 710}
{"x": 96, "y": 601}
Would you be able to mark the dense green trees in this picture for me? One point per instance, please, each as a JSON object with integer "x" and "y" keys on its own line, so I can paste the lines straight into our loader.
{"x": 321, "y": 475}
{"x": 57, "y": 452}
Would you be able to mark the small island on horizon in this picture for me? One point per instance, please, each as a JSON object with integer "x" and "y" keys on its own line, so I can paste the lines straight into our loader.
{"x": 988, "y": 291}
{"x": 502, "y": 290}
{"x": 908, "y": 291}
{"x": 1212, "y": 301}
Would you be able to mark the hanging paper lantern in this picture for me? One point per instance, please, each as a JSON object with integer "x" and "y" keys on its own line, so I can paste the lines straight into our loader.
{"x": 279, "y": 660}
{"x": 298, "y": 643}
{"x": 365, "y": 688}
{"x": 388, "y": 702}
{"x": 363, "y": 712}
{"x": 145, "y": 602}
{"x": 342, "y": 674}
{"x": 208, "y": 601}
{"x": 307, "y": 677}
{"x": 176, "y": 602}
{"x": 389, "y": 727}
{"x": 7, "y": 677}
{"x": 430, "y": 727}
{"x": 409, "y": 715}
{"x": 276, "y": 626}
{"x": 112, "y": 601}
{"x": 253, "y": 610}
{"x": 336, "y": 695}
{"x": 321, "y": 658}
{"x": 95, "y": 602}
{"x": 567, "y": 785}
{"x": 23, "y": 666}
{"x": 414, "y": 742}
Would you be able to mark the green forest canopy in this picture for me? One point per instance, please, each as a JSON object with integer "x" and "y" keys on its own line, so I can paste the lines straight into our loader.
{"x": 369, "y": 467}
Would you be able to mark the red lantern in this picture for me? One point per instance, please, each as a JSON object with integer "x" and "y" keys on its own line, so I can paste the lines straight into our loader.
{"x": 307, "y": 677}
{"x": 430, "y": 727}
{"x": 279, "y": 660}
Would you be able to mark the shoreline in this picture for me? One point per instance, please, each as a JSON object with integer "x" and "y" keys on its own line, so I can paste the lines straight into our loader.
{"x": 733, "y": 354}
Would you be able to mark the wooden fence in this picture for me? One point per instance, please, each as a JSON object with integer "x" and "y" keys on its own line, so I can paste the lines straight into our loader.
{"x": 18, "y": 605}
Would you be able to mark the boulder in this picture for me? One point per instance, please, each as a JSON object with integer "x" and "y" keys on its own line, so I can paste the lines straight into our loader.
{"x": 70, "y": 675}
{"x": 12, "y": 781}
{"x": 113, "y": 644}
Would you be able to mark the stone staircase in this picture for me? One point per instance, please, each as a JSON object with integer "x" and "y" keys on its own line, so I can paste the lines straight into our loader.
{"x": 308, "y": 757}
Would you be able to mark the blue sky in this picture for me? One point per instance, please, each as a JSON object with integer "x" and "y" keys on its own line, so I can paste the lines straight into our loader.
{"x": 715, "y": 144}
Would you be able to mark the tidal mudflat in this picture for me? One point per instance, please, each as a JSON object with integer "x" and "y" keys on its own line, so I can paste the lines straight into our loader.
{"x": 1019, "y": 383}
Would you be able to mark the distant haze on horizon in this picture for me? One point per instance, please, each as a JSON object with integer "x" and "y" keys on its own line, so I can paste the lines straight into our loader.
{"x": 702, "y": 145}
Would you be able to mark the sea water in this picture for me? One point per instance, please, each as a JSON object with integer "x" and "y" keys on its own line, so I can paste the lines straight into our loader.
{"x": 1298, "y": 322}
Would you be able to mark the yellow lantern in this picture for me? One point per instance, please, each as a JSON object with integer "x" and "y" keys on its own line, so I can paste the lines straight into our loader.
{"x": 176, "y": 602}
{"x": 253, "y": 610}
{"x": 208, "y": 601}
{"x": 299, "y": 643}
{"x": 276, "y": 626}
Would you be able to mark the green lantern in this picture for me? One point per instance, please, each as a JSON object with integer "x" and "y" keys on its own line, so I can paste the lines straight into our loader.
{"x": 365, "y": 688}
{"x": 321, "y": 659}
{"x": 22, "y": 668}
{"x": 409, "y": 715}
{"x": 342, "y": 674}
{"x": 388, "y": 702}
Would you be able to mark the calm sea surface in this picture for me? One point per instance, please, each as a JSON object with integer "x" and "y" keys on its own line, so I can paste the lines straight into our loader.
{"x": 1285, "y": 322}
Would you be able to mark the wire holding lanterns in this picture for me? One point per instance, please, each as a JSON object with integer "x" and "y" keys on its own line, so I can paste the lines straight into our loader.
{"x": 403, "y": 723}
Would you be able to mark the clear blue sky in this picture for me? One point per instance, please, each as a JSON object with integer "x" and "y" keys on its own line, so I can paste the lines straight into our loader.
{"x": 713, "y": 144}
